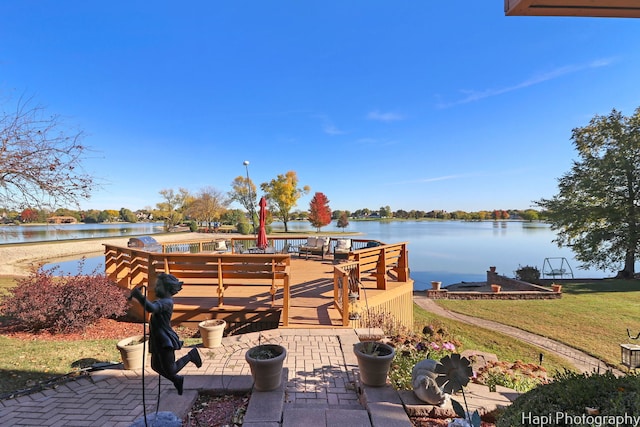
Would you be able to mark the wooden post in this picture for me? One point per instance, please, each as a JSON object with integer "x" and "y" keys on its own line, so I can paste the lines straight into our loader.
{"x": 381, "y": 270}
{"x": 403, "y": 264}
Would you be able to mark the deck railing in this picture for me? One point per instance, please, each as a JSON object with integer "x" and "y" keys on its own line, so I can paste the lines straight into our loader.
{"x": 384, "y": 268}
{"x": 385, "y": 263}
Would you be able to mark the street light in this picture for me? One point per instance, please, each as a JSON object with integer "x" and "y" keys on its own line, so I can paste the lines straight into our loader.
{"x": 253, "y": 222}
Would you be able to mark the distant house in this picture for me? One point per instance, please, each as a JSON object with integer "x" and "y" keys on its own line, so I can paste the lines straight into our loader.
{"x": 62, "y": 220}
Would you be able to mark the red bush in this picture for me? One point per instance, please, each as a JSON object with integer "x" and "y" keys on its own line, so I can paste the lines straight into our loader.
{"x": 67, "y": 303}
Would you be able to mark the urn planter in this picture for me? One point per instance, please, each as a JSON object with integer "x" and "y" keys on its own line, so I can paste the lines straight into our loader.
{"x": 131, "y": 351}
{"x": 496, "y": 288}
{"x": 211, "y": 332}
{"x": 266, "y": 362}
{"x": 374, "y": 361}
{"x": 436, "y": 285}
{"x": 556, "y": 288}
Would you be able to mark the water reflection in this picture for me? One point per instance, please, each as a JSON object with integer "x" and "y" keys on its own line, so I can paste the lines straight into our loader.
{"x": 53, "y": 232}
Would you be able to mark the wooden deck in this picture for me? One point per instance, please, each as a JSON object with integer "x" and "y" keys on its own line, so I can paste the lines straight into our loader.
{"x": 255, "y": 298}
{"x": 311, "y": 301}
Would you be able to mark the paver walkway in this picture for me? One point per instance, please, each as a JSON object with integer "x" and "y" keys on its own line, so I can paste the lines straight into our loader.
{"x": 319, "y": 389}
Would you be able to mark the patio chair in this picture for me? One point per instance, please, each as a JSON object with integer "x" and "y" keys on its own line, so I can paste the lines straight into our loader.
{"x": 341, "y": 249}
{"x": 315, "y": 246}
{"x": 220, "y": 246}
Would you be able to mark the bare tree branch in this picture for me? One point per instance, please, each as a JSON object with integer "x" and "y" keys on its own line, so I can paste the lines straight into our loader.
{"x": 40, "y": 160}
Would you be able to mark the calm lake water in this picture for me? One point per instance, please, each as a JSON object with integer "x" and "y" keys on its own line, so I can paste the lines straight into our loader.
{"x": 452, "y": 251}
{"x": 41, "y": 233}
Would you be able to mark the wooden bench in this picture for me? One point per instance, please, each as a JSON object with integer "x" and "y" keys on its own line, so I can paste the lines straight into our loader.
{"x": 210, "y": 275}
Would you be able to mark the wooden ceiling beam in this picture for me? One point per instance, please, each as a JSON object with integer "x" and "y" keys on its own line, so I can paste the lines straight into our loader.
{"x": 593, "y": 8}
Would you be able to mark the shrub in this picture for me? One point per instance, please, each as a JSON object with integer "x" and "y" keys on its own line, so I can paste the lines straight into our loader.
{"x": 518, "y": 375}
{"x": 193, "y": 226}
{"x": 58, "y": 304}
{"x": 570, "y": 393}
{"x": 528, "y": 274}
{"x": 244, "y": 228}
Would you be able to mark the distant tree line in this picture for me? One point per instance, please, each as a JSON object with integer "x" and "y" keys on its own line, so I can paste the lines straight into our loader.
{"x": 207, "y": 210}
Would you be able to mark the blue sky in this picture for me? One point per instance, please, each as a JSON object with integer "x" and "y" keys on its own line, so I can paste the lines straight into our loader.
{"x": 411, "y": 104}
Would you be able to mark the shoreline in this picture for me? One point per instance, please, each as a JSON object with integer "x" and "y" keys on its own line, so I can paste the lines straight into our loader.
{"x": 19, "y": 260}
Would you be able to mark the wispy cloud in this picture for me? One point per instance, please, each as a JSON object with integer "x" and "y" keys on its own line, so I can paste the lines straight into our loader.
{"x": 464, "y": 176}
{"x": 472, "y": 96}
{"x": 434, "y": 179}
{"x": 330, "y": 129}
{"x": 327, "y": 125}
{"x": 384, "y": 117}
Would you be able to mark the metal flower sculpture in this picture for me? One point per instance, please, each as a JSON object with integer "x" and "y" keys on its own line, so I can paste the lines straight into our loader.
{"x": 454, "y": 373}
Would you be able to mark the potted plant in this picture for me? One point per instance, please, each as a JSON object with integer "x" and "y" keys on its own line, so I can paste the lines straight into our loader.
{"x": 374, "y": 361}
{"x": 265, "y": 361}
{"x": 435, "y": 285}
{"x": 211, "y": 332}
{"x": 132, "y": 350}
{"x": 496, "y": 288}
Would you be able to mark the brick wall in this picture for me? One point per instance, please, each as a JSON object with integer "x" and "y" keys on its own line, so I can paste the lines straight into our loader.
{"x": 512, "y": 289}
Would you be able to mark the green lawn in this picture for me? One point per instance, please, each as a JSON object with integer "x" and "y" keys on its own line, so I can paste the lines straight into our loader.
{"x": 25, "y": 363}
{"x": 592, "y": 317}
{"x": 503, "y": 346}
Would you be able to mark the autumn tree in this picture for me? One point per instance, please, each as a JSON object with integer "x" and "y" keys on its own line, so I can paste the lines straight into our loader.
{"x": 319, "y": 211}
{"x": 29, "y": 215}
{"x": 40, "y": 160}
{"x": 343, "y": 220}
{"x": 173, "y": 205}
{"x": 109, "y": 215}
{"x": 500, "y": 214}
{"x": 596, "y": 211}
{"x": 283, "y": 194}
{"x": 243, "y": 191}
{"x": 208, "y": 206}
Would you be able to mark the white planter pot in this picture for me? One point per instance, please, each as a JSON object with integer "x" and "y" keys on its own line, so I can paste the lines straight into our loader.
{"x": 211, "y": 332}
{"x": 131, "y": 351}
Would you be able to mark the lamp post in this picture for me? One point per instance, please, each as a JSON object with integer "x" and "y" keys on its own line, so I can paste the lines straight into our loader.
{"x": 253, "y": 222}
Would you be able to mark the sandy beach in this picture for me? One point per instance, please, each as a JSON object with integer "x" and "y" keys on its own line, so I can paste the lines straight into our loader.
{"x": 18, "y": 260}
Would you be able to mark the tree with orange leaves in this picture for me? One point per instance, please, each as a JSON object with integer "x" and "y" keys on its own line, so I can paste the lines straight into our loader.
{"x": 319, "y": 211}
